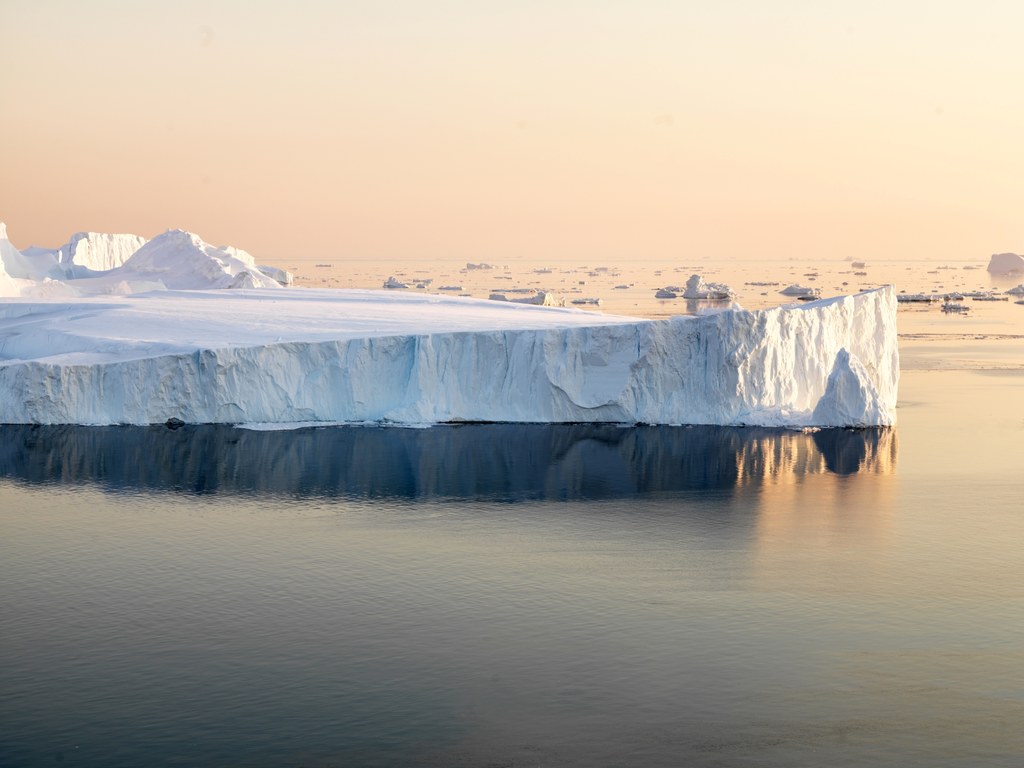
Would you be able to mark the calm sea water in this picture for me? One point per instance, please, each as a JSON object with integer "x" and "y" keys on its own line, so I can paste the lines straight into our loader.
{"x": 533, "y": 595}
{"x": 520, "y": 595}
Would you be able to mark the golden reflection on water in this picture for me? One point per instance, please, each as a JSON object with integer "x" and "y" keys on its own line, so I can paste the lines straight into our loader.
{"x": 786, "y": 457}
{"x": 824, "y": 536}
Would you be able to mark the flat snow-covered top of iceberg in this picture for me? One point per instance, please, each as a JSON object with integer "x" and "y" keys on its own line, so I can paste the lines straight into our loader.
{"x": 103, "y": 329}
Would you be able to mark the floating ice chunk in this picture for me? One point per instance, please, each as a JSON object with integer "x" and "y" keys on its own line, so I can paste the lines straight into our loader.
{"x": 539, "y": 299}
{"x": 696, "y": 288}
{"x": 851, "y": 398}
{"x": 1017, "y": 290}
{"x": 801, "y": 292}
{"x": 393, "y": 283}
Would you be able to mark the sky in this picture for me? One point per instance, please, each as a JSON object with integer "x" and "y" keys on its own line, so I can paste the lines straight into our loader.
{"x": 548, "y": 129}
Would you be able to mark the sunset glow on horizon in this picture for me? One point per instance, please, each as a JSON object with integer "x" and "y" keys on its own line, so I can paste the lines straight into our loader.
{"x": 492, "y": 130}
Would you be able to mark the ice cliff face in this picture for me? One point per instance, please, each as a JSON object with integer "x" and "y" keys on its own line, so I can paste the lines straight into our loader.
{"x": 831, "y": 362}
{"x": 98, "y": 252}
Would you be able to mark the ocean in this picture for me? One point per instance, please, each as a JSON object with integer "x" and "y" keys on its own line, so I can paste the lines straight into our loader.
{"x": 534, "y": 595}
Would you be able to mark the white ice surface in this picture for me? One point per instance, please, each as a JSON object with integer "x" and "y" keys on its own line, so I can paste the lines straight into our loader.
{"x": 182, "y": 261}
{"x": 92, "y": 263}
{"x": 301, "y": 355}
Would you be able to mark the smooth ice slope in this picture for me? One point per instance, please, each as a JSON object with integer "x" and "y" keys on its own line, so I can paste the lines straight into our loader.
{"x": 183, "y": 261}
{"x": 355, "y": 356}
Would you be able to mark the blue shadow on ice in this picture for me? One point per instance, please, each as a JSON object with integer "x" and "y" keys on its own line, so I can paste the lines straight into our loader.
{"x": 493, "y": 461}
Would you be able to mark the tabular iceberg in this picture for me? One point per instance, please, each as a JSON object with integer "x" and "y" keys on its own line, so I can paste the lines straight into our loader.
{"x": 376, "y": 356}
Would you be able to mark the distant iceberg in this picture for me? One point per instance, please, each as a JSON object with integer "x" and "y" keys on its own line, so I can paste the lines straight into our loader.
{"x": 304, "y": 355}
{"x": 1005, "y": 263}
{"x": 801, "y": 292}
{"x": 696, "y": 288}
{"x": 92, "y": 263}
{"x": 183, "y": 261}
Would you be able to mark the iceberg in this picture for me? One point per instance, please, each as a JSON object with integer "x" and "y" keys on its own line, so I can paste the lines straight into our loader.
{"x": 540, "y": 299}
{"x": 696, "y": 288}
{"x": 801, "y": 292}
{"x": 312, "y": 355}
{"x": 92, "y": 263}
{"x": 1005, "y": 263}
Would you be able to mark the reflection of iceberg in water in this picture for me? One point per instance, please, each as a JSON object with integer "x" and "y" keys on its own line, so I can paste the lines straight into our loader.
{"x": 500, "y": 461}
{"x": 838, "y": 451}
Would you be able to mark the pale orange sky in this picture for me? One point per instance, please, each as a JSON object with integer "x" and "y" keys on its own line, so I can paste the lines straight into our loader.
{"x": 496, "y": 130}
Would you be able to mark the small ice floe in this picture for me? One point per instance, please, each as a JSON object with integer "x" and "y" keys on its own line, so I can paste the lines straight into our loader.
{"x": 858, "y": 265}
{"x": 696, "y": 288}
{"x": 587, "y": 301}
{"x": 665, "y": 293}
{"x": 762, "y": 283}
{"x": 917, "y": 298}
{"x": 480, "y": 265}
{"x": 1017, "y": 290}
{"x": 952, "y": 307}
{"x": 539, "y": 299}
{"x": 989, "y": 297}
{"x": 621, "y": 287}
{"x": 391, "y": 282}
{"x": 801, "y": 292}
{"x": 455, "y": 288}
